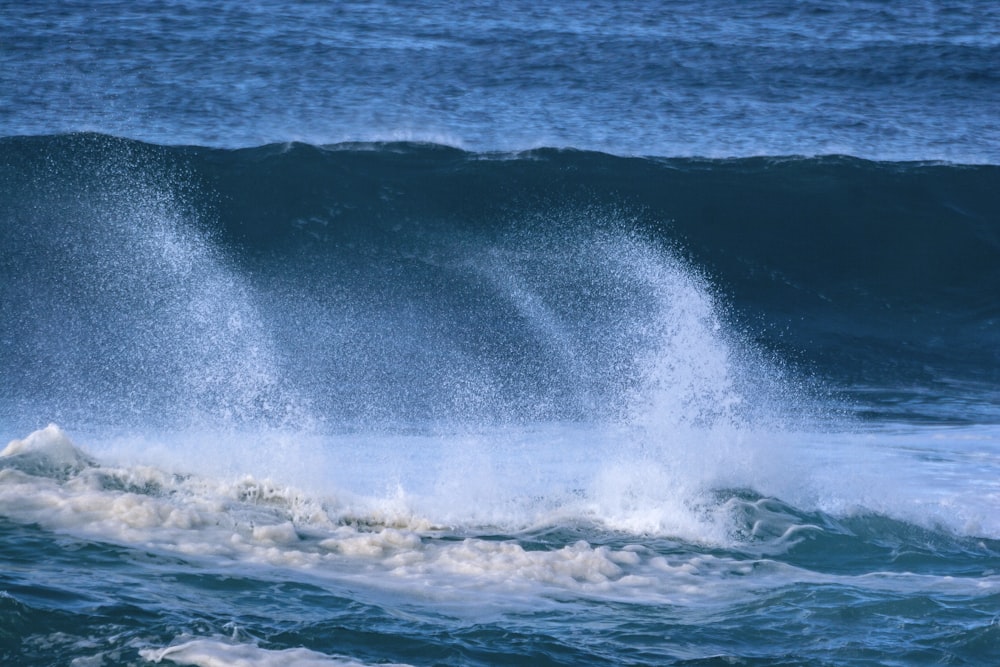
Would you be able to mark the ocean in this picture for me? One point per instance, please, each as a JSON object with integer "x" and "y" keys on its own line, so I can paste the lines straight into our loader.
{"x": 586, "y": 333}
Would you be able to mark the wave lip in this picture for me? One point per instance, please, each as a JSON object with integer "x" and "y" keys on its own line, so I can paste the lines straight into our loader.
{"x": 46, "y": 452}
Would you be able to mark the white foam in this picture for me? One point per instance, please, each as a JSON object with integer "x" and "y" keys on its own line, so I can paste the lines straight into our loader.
{"x": 216, "y": 653}
{"x": 49, "y": 443}
{"x": 264, "y": 524}
{"x": 399, "y": 543}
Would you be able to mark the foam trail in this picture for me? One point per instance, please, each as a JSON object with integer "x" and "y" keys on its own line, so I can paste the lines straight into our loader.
{"x": 216, "y": 653}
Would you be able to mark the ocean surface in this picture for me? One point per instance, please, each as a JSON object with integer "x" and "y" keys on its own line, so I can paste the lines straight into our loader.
{"x": 584, "y": 333}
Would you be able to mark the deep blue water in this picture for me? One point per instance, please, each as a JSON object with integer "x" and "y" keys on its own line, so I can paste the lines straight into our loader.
{"x": 593, "y": 333}
{"x": 886, "y": 80}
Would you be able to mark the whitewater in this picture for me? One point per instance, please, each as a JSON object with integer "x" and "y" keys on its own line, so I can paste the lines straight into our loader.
{"x": 366, "y": 334}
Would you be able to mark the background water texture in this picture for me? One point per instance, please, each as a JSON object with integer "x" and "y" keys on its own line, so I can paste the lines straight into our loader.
{"x": 884, "y": 80}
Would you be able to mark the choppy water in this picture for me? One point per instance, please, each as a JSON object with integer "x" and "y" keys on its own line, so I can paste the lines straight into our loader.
{"x": 559, "y": 392}
{"x": 885, "y": 80}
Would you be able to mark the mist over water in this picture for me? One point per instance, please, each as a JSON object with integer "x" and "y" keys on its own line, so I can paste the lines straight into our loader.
{"x": 328, "y": 317}
{"x": 149, "y": 318}
{"x": 123, "y": 312}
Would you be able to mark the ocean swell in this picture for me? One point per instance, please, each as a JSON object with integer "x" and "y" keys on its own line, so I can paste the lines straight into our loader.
{"x": 402, "y": 282}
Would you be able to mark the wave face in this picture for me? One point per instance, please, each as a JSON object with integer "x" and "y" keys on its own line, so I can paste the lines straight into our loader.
{"x": 359, "y": 403}
{"x": 412, "y": 282}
